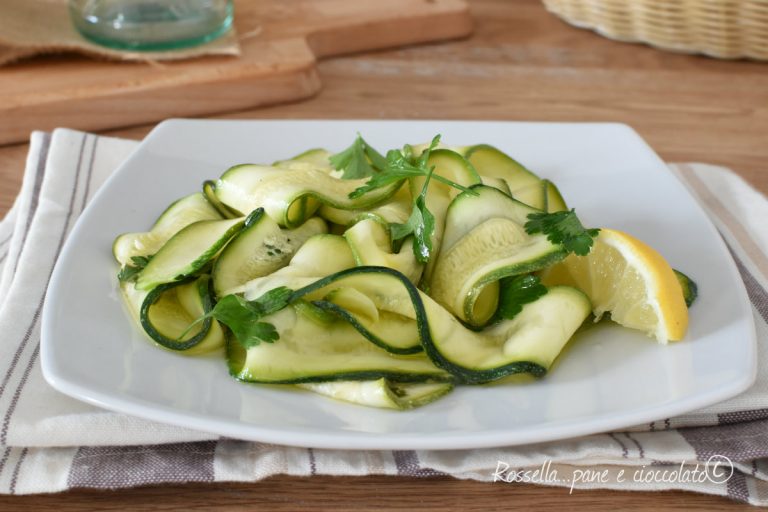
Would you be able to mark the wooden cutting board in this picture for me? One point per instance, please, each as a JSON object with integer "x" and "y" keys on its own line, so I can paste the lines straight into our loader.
{"x": 277, "y": 65}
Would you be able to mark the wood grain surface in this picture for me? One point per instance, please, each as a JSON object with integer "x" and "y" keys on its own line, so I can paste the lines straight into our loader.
{"x": 278, "y": 64}
{"x": 521, "y": 64}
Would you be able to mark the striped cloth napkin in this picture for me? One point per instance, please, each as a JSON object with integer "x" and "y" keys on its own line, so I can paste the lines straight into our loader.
{"x": 49, "y": 442}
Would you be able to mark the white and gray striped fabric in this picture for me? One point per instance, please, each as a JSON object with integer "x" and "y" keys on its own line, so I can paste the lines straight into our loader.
{"x": 50, "y": 443}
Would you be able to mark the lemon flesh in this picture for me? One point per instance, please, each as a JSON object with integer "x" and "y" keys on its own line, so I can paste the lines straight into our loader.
{"x": 630, "y": 280}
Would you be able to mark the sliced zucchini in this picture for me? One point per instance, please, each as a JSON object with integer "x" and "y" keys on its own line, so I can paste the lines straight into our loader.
{"x": 209, "y": 191}
{"x": 529, "y": 342}
{"x": 290, "y": 196}
{"x": 318, "y": 156}
{"x": 359, "y": 306}
{"x": 307, "y": 352}
{"x": 357, "y": 327}
{"x": 689, "y": 286}
{"x": 555, "y": 201}
{"x": 489, "y": 161}
{"x": 397, "y": 209}
{"x": 381, "y": 393}
{"x": 393, "y": 332}
{"x": 291, "y": 165}
{"x": 448, "y": 164}
{"x": 320, "y": 256}
{"x": 166, "y": 312}
{"x": 363, "y": 302}
{"x": 485, "y": 241}
{"x": 522, "y": 184}
{"x": 543, "y": 196}
{"x": 370, "y": 244}
{"x": 355, "y": 302}
{"x": 320, "y": 316}
{"x": 260, "y": 249}
{"x": 418, "y": 149}
{"x": 534, "y": 195}
{"x": 468, "y": 211}
{"x": 188, "y": 251}
{"x": 497, "y": 183}
{"x": 466, "y": 276}
{"x": 180, "y": 214}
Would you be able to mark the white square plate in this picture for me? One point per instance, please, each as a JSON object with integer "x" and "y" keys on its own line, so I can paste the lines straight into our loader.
{"x": 608, "y": 378}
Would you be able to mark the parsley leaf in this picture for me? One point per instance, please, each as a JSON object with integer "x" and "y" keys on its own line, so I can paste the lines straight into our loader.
{"x": 563, "y": 228}
{"x": 358, "y": 161}
{"x": 243, "y": 317}
{"x": 516, "y": 292}
{"x": 421, "y": 224}
{"x": 129, "y": 272}
{"x": 400, "y": 165}
{"x": 272, "y": 301}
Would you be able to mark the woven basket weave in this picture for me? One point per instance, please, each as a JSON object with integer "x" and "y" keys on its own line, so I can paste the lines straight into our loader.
{"x": 726, "y": 29}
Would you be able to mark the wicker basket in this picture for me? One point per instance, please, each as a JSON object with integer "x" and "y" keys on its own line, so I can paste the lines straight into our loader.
{"x": 727, "y": 29}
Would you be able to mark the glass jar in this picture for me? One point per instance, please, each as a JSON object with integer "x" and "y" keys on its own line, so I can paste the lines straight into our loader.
{"x": 151, "y": 25}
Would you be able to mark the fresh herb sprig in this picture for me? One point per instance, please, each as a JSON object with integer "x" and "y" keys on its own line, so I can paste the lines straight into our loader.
{"x": 129, "y": 272}
{"x": 515, "y": 293}
{"x": 359, "y": 160}
{"x": 243, "y": 317}
{"x": 401, "y": 165}
{"x": 563, "y": 228}
{"x": 420, "y": 224}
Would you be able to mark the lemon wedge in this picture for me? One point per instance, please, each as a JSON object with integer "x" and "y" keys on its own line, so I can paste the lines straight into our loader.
{"x": 630, "y": 280}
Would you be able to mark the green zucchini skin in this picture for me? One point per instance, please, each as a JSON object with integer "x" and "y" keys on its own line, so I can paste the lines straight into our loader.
{"x": 514, "y": 270}
{"x": 290, "y": 196}
{"x": 484, "y": 376}
{"x": 461, "y": 374}
{"x": 397, "y": 209}
{"x": 310, "y": 295}
{"x": 259, "y": 249}
{"x": 236, "y": 358}
{"x": 522, "y": 342}
{"x": 471, "y": 221}
{"x": 171, "y": 264}
{"x": 371, "y": 245}
{"x": 209, "y": 191}
{"x": 689, "y": 286}
{"x": 206, "y": 296}
{"x": 342, "y": 313}
{"x": 467, "y": 211}
{"x": 180, "y": 214}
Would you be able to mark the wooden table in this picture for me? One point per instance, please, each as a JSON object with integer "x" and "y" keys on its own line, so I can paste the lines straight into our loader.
{"x": 521, "y": 64}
